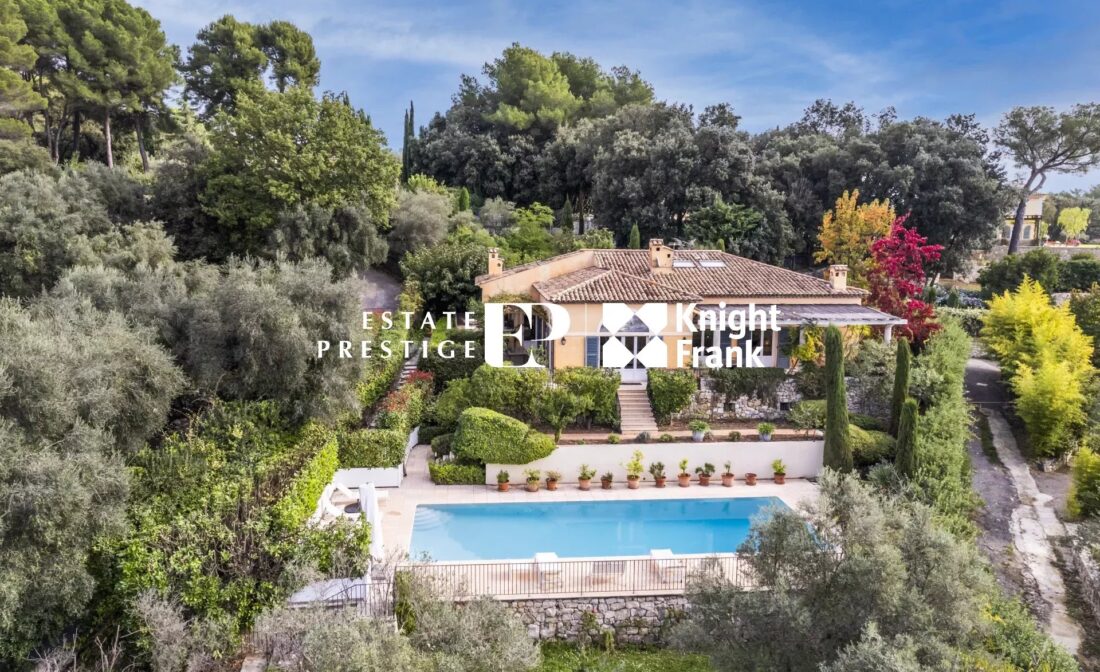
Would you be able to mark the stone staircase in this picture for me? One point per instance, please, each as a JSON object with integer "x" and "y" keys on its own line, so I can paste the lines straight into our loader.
{"x": 635, "y": 413}
{"x": 407, "y": 370}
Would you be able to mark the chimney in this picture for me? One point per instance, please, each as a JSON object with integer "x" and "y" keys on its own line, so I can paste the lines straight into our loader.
{"x": 496, "y": 264}
{"x": 837, "y": 275}
{"x": 659, "y": 256}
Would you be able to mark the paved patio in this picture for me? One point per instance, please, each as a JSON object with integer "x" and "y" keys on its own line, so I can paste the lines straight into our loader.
{"x": 398, "y": 505}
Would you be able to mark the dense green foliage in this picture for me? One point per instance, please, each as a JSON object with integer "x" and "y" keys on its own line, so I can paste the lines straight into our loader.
{"x": 1079, "y": 272}
{"x": 487, "y": 436}
{"x": 838, "y": 449}
{"x": 444, "y": 274}
{"x": 906, "y": 454}
{"x": 970, "y": 319}
{"x": 1085, "y": 307}
{"x": 1084, "y": 500}
{"x": 452, "y": 473}
{"x": 901, "y": 384}
{"x": 869, "y": 447}
{"x": 903, "y": 567}
{"x": 599, "y": 387}
{"x": 569, "y": 658}
{"x": 761, "y": 383}
{"x": 372, "y": 448}
{"x": 670, "y": 391}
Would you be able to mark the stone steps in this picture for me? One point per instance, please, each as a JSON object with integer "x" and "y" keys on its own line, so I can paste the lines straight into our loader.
{"x": 635, "y": 413}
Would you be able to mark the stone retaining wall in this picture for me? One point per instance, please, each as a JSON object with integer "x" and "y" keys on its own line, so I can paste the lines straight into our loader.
{"x": 643, "y": 619}
{"x": 1088, "y": 573}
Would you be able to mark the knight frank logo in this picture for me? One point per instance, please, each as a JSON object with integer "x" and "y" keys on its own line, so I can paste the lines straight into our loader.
{"x": 621, "y": 327}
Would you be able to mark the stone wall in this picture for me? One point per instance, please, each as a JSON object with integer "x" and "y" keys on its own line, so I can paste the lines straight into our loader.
{"x": 862, "y": 398}
{"x": 643, "y": 619}
{"x": 1088, "y": 573}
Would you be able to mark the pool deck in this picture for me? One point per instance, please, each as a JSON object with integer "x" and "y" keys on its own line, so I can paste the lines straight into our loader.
{"x": 398, "y": 505}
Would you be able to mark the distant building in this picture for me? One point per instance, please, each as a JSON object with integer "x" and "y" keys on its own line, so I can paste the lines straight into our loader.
{"x": 1033, "y": 216}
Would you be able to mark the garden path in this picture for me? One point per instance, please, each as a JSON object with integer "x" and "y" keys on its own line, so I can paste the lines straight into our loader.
{"x": 1031, "y": 516}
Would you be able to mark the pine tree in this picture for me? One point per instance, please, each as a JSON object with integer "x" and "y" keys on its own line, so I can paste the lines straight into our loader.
{"x": 635, "y": 242}
{"x": 903, "y": 363}
{"x": 462, "y": 201}
{"x": 838, "y": 449}
{"x": 905, "y": 459}
{"x": 567, "y": 216}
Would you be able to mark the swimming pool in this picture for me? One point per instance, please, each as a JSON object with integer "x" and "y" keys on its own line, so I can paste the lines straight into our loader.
{"x": 449, "y": 532}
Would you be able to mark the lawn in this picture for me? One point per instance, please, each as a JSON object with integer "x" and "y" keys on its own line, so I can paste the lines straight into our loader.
{"x": 565, "y": 658}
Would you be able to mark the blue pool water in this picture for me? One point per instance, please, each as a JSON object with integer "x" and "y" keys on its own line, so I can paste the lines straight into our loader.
{"x": 583, "y": 529}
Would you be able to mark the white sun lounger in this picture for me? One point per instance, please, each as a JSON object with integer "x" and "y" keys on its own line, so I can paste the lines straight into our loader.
{"x": 668, "y": 567}
{"x": 548, "y": 569}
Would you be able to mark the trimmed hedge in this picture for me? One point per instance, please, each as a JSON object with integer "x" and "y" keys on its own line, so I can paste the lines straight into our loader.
{"x": 300, "y": 500}
{"x": 429, "y": 432}
{"x": 869, "y": 447}
{"x": 441, "y": 445}
{"x": 451, "y": 473}
{"x": 970, "y": 319}
{"x": 487, "y": 436}
{"x": 599, "y": 386}
{"x": 670, "y": 391}
{"x": 372, "y": 448}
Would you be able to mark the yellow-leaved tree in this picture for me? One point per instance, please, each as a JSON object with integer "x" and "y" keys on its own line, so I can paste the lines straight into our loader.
{"x": 1048, "y": 361}
{"x": 848, "y": 230}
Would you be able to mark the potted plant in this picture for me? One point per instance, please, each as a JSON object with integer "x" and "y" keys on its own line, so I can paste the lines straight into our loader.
{"x": 502, "y": 481}
{"x": 684, "y": 477}
{"x": 698, "y": 430}
{"x": 780, "y": 471}
{"x": 727, "y": 475}
{"x": 765, "y": 430}
{"x": 552, "y": 478}
{"x": 750, "y": 478}
{"x": 605, "y": 480}
{"x": 705, "y": 473}
{"x": 584, "y": 478}
{"x": 657, "y": 471}
{"x": 634, "y": 469}
{"x": 533, "y": 476}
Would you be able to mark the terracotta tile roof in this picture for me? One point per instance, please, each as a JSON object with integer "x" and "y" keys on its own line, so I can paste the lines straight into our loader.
{"x": 626, "y": 275}
{"x": 599, "y": 285}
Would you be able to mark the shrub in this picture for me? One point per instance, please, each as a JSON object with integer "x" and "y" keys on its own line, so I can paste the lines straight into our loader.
{"x": 670, "y": 391}
{"x": 970, "y": 319}
{"x": 614, "y": 438}
{"x": 1049, "y": 400}
{"x": 1007, "y": 274}
{"x": 450, "y": 473}
{"x": 429, "y": 432}
{"x": 444, "y": 370}
{"x": 867, "y": 422}
{"x": 372, "y": 448}
{"x": 1086, "y": 312}
{"x": 441, "y": 445}
{"x": 599, "y": 386}
{"x": 305, "y": 488}
{"x": 756, "y": 383}
{"x": 808, "y": 414}
{"x": 403, "y": 408}
{"x": 1084, "y": 499}
{"x": 869, "y": 447}
{"x": 558, "y": 407}
{"x": 1078, "y": 272}
{"x": 666, "y": 438}
{"x": 838, "y": 451}
{"x": 487, "y": 436}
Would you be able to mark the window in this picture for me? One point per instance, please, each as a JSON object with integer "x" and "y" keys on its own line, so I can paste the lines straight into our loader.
{"x": 683, "y": 263}
{"x": 712, "y": 263}
{"x": 592, "y": 351}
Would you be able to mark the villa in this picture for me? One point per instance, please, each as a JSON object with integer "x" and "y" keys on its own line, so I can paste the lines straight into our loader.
{"x": 698, "y": 281}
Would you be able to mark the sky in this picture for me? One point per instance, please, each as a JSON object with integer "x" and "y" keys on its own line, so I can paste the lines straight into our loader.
{"x": 769, "y": 59}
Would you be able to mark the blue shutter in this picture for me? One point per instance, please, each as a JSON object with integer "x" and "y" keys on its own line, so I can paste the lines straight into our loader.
{"x": 592, "y": 351}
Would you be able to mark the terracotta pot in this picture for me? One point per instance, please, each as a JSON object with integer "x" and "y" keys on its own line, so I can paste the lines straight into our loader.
{"x": 660, "y": 481}
{"x": 750, "y": 479}
{"x": 633, "y": 483}
{"x": 780, "y": 479}
{"x": 551, "y": 485}
{"x": 684, "y": 479}
{"x": 503, "y": 487}
{"x": 584, "y": 483}
{"x": 727, "y": 480}
{"x": 606, "y": 485}
{"x": 532, "y": 486}
{"x": 704, "y": 479}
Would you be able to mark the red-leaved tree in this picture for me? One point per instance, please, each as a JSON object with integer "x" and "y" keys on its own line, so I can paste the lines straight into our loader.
{"x": 896, "y": 278}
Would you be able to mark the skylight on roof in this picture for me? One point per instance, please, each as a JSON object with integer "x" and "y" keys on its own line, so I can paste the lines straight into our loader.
{"x": 683, "y": 263}
{"x": 712, "y": 263}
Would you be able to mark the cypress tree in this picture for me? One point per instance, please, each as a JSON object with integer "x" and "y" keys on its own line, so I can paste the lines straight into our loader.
{"x": 462, "y": 202}
{"x": 838, "y": 449}
{"x": 903, "y": 363}
{"x": 635, "y": 242}
{"x": 567, "y": 216}
{"x": 721, "y": 245}
{"x": 905, "y": 459}
{"x": 405, "y": 150}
